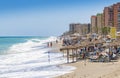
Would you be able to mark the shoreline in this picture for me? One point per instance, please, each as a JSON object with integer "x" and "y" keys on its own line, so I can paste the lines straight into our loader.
{"x": 56, "y": 48}
{"x": 91, "y": 69}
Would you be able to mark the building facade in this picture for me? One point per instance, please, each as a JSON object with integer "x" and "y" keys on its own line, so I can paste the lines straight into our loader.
{"x": 108, "y": 16}
{"x": 82, "y": 29}
{"x": 93, "y": 24}
{"x": 99, "y": 23}
{"x": 75, "y": 28}
{"x": 112, "y": 16}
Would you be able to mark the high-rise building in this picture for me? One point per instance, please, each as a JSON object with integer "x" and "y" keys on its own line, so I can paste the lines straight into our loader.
{"x": 112, "y": 16}
{"x": 99, "y": 23}
{"x": 108, "y": 16}
{"x": 116, "y": 12}
{"x": 93, "y": 24}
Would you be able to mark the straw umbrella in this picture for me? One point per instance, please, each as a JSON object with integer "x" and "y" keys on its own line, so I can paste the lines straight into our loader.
{"x": 68, "y": 48}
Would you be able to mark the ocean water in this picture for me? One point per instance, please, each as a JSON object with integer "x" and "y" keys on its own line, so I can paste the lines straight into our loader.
{"x": 28, "y": 57}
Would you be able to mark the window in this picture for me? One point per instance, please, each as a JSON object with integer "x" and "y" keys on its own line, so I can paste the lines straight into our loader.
{"x": 119, "y": 9}
{"x": 118, "y": 28}
{"x": 119, "y": 17}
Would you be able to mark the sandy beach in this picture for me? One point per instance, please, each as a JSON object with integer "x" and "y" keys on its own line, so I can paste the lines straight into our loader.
{"x": 94, "y": 70}
{"x": 87, "y": 69}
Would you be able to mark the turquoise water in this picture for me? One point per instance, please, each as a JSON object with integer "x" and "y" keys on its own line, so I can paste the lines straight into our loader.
{"x": 6, "y": 42}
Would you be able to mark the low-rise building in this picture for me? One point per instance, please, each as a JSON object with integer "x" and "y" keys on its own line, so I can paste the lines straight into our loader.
{"x": 82, "y": 29}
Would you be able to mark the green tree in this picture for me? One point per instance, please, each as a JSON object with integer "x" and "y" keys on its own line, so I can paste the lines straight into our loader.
{"x": 105, "y": 30}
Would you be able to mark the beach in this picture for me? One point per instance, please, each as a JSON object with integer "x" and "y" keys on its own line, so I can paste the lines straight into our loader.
{"x": 39, "y": 61}
{"x": 94, "y": 70}
{"x": 60, "y": 39}
{"x": 87, "y": 69}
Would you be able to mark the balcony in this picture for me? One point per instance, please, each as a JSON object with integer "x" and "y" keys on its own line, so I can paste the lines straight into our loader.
{"x": 118, "y": 9}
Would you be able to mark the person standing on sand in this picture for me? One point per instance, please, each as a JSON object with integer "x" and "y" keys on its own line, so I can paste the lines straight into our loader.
{"x": 50, "y": 44}
{"x": 56, "y": 41}
{"x": 83, "y": 57}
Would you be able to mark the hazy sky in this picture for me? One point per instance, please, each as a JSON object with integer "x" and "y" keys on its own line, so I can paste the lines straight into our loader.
{"x": 46, "y": 17}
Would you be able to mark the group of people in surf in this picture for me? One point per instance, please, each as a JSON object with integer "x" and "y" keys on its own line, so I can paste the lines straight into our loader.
{"x": 49, "y": 44}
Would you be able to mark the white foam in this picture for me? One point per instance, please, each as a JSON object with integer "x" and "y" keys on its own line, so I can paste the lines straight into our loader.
{"x": 30, "y": 60}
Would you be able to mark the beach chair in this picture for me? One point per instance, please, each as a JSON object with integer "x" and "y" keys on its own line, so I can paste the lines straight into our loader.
{"x": 94, "y": 58}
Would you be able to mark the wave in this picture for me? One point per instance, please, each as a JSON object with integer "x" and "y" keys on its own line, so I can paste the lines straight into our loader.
{"x": 30, "y": 60}
{"x": 30, "y": 45}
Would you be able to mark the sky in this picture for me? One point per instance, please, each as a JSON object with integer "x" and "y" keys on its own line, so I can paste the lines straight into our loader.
{"x": 46, "y": 17}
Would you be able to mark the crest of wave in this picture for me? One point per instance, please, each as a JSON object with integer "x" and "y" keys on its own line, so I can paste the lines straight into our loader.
{"x": 30, "y": 45}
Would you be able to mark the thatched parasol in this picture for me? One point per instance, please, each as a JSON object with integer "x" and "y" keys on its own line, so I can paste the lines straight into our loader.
{"x": 67, "y": 47}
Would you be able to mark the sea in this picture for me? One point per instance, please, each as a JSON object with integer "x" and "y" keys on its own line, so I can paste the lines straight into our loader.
{"x": 29, "y": 57}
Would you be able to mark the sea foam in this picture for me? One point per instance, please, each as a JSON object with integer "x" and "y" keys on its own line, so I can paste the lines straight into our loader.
{"x": 30, "y": 60}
